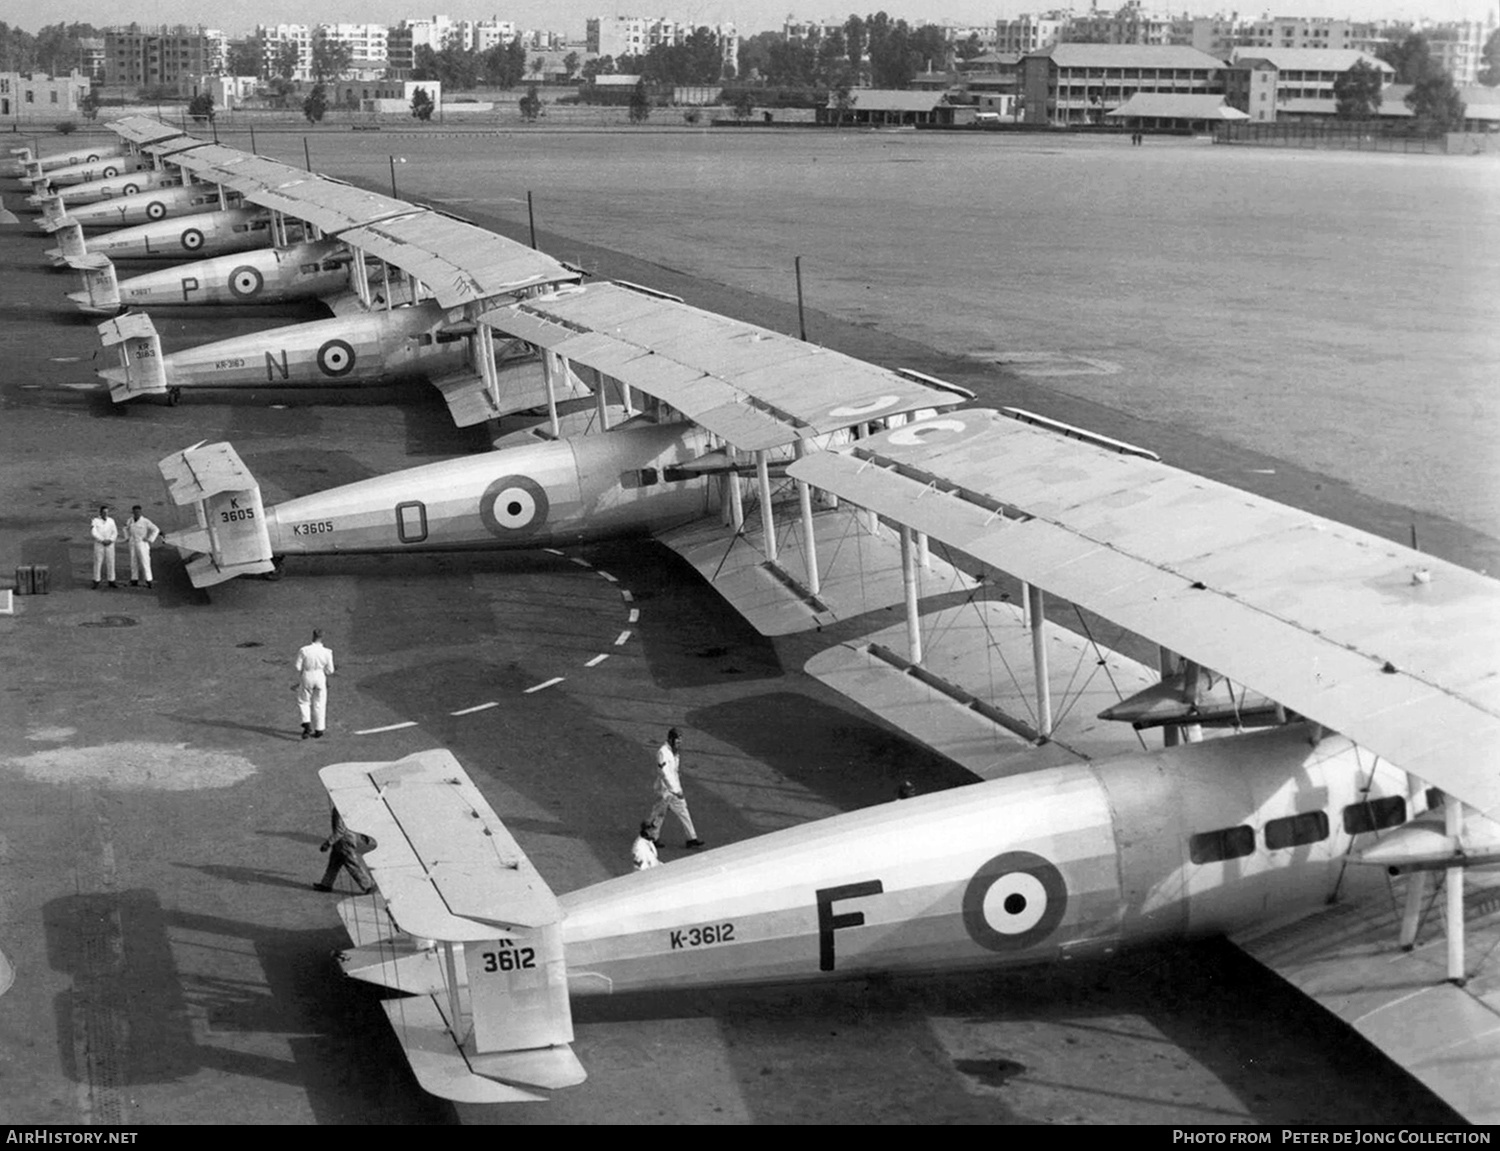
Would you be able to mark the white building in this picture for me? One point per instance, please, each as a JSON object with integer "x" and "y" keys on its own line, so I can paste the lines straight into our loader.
{"x": 367, "y": 43}
{"x": 271, "y": 37}
{"x": 31, "y": 96}
{"x": 1027, "y": 33}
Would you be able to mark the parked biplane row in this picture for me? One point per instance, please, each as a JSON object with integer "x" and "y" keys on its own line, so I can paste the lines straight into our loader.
{"x": 1352, "y": 682}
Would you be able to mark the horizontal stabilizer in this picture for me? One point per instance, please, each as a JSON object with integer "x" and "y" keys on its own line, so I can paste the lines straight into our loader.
{"x": 71, "y": 248}
{"x": 101, "y": 287}
{"x": 141, "y": 372}
{"x": 440, "y": 1067}
{"x": 231, "y": 537}
{"x": 54, "y": 213}
{"x": 457, "y": 886}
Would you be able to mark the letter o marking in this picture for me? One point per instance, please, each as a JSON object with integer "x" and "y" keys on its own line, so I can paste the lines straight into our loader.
{"x": 1014, "y": 902}
{"x": 914, "y": 434}
{"x": 192, "y": 239}
{"x": 245, "y": 283}
{"x": 336, "y": 358}
{"x": 868, "y": 408}
{"x": 156, "y": 210}
{"x": 513, "y": 507}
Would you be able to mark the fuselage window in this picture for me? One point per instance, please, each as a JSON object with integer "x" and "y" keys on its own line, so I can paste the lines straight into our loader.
{"x": 1374, "y": 814}
{"x": 308, "y": 269}
{"x": 332, "y": 265}
{"x": 1217, "y": 846}
{"x": 242, "y": 227}
{"x": 411, "y": 522}
{"x": 1295, "y": 830}
{"x": 449, "y": 337}
{"x": 675, "y": 476}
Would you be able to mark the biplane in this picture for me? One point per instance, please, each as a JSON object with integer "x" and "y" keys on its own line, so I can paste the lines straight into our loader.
{"x": 1336, "y": 820}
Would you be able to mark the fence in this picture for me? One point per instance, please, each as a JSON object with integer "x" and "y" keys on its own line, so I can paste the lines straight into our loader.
{"x": 1351, "y": 135}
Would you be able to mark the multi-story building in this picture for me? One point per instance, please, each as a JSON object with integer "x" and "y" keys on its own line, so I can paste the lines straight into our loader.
{"x": 272, "y": 37}
{"x": 1028, "y": 33}
{"x": 367, "y": 44}
{"x": 26, "y": 95}
{"x": 140, "y": 57}
{"x": 1267, "y": 83}
{"x": 1131, "y": 24}
{"x": 91, "y": 53}
{"x": 1458, "y": 48}
{"x": 618, "y": 36}
{"x": 493, "y": 33}
{"x": 1080, "y": 83}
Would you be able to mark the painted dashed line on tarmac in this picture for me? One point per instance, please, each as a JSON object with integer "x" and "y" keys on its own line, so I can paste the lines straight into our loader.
{"x": 476, "y": 707}
{"x": 620, "y": 641}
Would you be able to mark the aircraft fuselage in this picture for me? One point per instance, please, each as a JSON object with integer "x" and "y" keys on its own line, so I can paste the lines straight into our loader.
{"x": 539, "y": 495}
{"x": 143, "y": 207}
{"x": 1070, "y": 862}
{"x": 188, "y": 237}
{"x": 269, "y": 275}
{"x": 128, "y": 183}
{"x": 86, "y": 172}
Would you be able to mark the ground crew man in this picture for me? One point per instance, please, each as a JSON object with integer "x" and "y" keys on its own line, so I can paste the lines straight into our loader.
{"x": 643, "y": 850}
{"x": 105, "y": 532}
{"x": 140, "y": 534}
{"x": 669, "y": 795}
{"x": 346, "y": 849}
{"x": 314, "y": 665}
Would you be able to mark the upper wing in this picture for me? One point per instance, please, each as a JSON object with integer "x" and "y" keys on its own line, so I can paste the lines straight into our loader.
{"x": 756, "y": 388}
{"x": 1397, "y": 650}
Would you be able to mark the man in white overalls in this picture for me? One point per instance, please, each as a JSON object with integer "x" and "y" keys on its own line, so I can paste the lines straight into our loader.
{"x": 315, "y": 663}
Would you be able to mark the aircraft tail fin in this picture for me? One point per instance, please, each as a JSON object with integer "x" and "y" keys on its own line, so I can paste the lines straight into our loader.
{"x": 54, "y": 213}
{"x": 71, "y": 249}
{"x": 231, "y": 537}
{"x": 141, "y": 371}
{"x": 473, "y": 930}
{"x": 101, "y": 287}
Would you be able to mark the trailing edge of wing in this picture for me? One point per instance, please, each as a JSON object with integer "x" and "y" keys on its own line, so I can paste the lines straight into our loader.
{"x": 1397, "y": 650}
{"x": 757, "y": 388}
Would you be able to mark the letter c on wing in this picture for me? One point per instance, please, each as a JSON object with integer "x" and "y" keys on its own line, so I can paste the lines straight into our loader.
{"x": 1014, "y": 902}
{"x": 513, "y": 507}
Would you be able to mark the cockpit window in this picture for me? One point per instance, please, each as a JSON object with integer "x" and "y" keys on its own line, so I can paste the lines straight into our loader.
{"x": 1296, "y": 830}
{"x": 1217, "y": 846}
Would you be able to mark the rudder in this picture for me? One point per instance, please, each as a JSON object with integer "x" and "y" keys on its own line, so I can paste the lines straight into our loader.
{"x": 231, "y": 538}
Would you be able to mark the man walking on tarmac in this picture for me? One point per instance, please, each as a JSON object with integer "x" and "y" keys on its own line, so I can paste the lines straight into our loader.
{"x": 314, "y": 665}
{"x": 669, "y": 795}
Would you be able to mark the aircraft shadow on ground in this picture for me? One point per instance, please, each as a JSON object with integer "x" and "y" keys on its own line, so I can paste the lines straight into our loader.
{"x": 1208, "y": 1002}
{"x": 133, "y": 1017}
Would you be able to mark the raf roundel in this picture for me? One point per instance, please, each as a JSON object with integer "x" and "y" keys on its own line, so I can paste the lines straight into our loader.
{"x": 513, "y": 507}
{"x": 336, "y": 358}
{"x": 913, "y": 435}
{"x": 868, "y": 408}
{"x": 1015, "y": 901}
{"x": 192, "y": 239}
{"x": 156, "y": 210}
{"x": 245, "y": 283}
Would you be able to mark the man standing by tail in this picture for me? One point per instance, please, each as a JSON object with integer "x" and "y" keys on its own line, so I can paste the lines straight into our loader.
{"x": 315, "y": 665}
{"x": 140, "y": 534}
{"x": 105, "y": 532}
{"x": 669, "y": 795}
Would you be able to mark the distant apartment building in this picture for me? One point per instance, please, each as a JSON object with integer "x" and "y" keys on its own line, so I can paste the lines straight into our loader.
{"x": 28, "y": 95}
{"x": 1458, "y": 48}
{"x": 1081, "y": 83}
{"x": 617, "y": 36}
{"x": 140, "y": 57}
{"x": 91, "y": 53}
{"x": 367, "y": 44}
{"x": 1028, "y": 33}
{"x": 1272, "y": 83}
{"x": 271, "y": 37}
{"x": 1130, "y": 24}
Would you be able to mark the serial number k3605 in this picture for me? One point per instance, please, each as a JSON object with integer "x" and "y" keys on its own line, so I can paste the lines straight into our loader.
{"x": 312, "y": 529}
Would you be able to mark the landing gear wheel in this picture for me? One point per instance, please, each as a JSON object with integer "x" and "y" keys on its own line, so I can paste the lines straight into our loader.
{"x": 276, "y": 571}
{"x": 174, "y": 397}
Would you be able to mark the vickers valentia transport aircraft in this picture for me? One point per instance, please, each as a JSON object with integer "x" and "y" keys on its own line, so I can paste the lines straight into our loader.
{"x": 1339, "y": 828}
{"x": 406, "y": 285}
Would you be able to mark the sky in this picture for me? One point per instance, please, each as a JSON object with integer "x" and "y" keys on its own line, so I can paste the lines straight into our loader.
{"x": 748, "y": 16}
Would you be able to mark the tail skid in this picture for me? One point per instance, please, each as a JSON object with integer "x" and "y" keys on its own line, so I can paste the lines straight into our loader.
{"x": 463, "y": 922}
{"x": 231, "y": 537}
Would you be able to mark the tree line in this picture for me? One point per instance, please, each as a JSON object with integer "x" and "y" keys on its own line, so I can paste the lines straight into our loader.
{"x": 1433, "y": 100}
